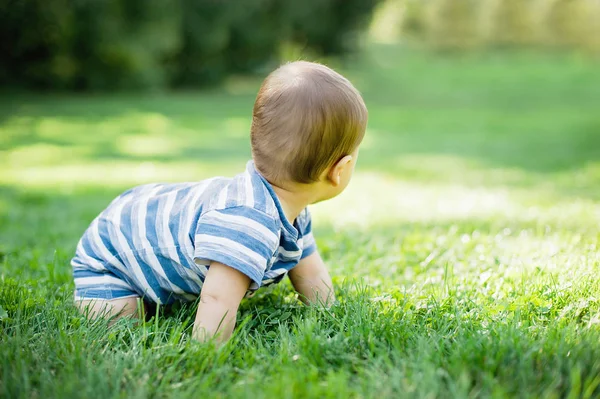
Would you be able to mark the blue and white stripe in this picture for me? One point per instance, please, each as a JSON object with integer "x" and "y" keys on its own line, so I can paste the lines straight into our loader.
{"x": 156, "y": 241}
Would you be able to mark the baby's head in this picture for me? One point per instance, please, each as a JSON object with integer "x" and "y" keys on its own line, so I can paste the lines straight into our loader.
{"x": 308, "y": 122}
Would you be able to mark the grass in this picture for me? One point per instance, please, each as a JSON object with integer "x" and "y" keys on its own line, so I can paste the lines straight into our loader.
{"x": 466, "y": 251}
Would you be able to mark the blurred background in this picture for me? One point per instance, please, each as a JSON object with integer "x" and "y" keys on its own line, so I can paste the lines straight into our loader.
{"x": 483, "y": 113}
{"x": 133, "y": 44}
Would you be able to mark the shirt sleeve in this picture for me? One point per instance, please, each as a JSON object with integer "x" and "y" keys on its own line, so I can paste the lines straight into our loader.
{"x": 242, "y": 238}
{"x": 308, "y": 240}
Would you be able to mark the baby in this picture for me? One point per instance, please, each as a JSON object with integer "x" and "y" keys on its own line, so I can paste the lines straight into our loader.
{"x": 222, "y": 239}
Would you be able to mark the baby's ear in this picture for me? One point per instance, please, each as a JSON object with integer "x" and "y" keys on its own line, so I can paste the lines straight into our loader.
{"x": 337, "y": 170}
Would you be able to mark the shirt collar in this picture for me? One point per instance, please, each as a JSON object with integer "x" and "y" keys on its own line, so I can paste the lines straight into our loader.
{"x": 251, "y": 169}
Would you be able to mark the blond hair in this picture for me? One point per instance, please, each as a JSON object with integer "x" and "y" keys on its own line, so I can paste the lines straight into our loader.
{"x": 306, "y": 118}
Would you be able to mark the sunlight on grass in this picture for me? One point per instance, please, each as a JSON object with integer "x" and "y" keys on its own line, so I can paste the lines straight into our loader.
{"x": 373, "y": 199}
{"x": 118, "y": 151}
{"x": 39, "y": 155}
{"x": 113, "y": 174}
{"x": 146, "y": 145}
{"x": 236, "y": 127}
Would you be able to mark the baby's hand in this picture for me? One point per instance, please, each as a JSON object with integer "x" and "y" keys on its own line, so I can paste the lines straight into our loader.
{"x": 311, "y": 280}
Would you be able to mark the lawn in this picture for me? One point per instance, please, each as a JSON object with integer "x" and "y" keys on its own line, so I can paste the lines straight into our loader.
{"x": 465, "y": 253}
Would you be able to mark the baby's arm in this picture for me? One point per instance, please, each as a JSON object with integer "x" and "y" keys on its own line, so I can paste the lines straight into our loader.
{"x": 311, "y": 280}
{"x": 220, "y": 297}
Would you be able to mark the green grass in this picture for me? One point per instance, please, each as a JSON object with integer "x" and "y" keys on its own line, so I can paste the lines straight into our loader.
{"x": 465, "y": 253}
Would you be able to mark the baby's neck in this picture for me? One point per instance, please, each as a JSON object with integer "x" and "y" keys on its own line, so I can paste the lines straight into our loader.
{"x": 293, "y": 201}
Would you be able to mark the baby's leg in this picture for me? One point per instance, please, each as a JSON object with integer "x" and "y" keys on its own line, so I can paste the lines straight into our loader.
{"x": 100, "y": 293}
{"x": 113, "y": 309}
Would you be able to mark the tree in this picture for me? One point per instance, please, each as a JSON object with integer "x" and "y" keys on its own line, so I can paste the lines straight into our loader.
{"x": 454, "y": 25}
{"x": 513, "y": 23}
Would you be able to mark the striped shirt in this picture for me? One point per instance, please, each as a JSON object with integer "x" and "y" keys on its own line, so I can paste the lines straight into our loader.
{"x": 159, "y": 239}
